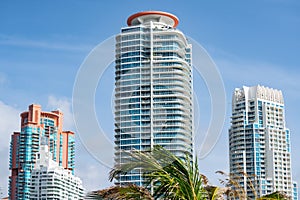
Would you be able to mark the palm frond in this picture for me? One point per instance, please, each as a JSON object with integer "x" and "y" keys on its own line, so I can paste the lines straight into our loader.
{"x": 129, "y": 192}
{"x": 171, "y": 177}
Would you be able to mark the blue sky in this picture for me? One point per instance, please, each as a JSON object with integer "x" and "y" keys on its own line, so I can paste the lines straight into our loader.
{"x": 43, "y": 44}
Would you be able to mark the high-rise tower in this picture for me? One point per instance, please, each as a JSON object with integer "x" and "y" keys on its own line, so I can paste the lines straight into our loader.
{"x": 153, "y": 88}
{"x": 259, "y": 142}
{"x": 24, "y": 146}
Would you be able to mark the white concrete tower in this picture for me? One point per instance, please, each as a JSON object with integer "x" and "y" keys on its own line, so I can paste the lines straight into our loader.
{"x": 51, "y": 181}
{"x": 259, "y": 141}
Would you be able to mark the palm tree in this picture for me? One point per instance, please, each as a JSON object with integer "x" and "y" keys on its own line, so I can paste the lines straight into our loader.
{"x": 235, "y": 190}
{"x": 129, "y": 192}
{"x": 216, "y": 193}
{"x": 275, "y": 196}
{"x": 171, "y": 177}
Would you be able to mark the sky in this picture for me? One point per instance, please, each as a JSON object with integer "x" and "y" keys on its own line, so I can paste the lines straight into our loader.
{"x": 43, "y": 44}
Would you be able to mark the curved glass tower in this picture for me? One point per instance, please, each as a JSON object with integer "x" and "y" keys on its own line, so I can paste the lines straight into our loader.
{"x": 153, "y": 88}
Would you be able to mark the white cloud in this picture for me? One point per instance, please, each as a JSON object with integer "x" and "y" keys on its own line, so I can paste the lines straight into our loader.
{"x": 9, "y": 122}
{"x": 64, "y": 105}
{"x": 92, "y": 173}
{"x": 24, "y": 42}
{"x": 4, "y": 172}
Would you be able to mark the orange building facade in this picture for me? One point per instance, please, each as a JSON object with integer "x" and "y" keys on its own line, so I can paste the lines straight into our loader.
{"x": 37, "y": 124}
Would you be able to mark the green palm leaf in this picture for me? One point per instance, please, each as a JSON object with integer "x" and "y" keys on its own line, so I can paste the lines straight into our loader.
{"x": 171, "y": 177}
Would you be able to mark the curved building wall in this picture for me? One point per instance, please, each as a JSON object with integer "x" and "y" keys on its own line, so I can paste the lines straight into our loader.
{"x": 153, "y": 93}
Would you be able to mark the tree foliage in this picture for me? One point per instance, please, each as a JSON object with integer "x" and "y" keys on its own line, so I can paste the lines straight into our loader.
{"x": 171, "y": 177}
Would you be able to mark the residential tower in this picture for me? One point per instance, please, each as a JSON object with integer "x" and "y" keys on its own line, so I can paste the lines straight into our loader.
{"x": 153, "y": 89}
{"x": 25, "y": 145}
{"x": 260, "y": 142}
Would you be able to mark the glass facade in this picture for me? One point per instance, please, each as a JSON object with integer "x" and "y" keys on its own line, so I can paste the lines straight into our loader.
{"x": 153, "y": 93}
{"x": 25, "y": 144}
{"x": 295, "y": 191}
